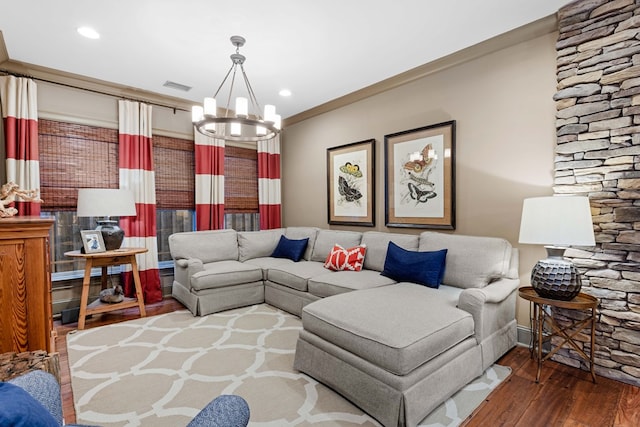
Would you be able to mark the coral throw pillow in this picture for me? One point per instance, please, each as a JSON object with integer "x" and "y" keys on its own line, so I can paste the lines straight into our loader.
{"x": 350, "y": 259}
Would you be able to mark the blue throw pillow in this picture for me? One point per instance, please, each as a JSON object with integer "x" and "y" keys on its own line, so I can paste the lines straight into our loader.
{"x": 18, "y": 408}
{"x": 425, "y": 268}
{"x": 291, "y": 249}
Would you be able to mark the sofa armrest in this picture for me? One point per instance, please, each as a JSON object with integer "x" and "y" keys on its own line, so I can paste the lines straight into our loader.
{"x": 492, "y": 307}
{"x": 185, "y": 268}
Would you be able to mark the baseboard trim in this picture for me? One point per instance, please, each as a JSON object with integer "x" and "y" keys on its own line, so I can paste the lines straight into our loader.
{"x": 525, "y": 338}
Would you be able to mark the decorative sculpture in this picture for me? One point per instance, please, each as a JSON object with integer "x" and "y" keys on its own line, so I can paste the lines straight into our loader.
{"x": 8, "y": 194}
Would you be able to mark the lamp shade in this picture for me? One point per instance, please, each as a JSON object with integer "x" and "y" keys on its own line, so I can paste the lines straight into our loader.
{"x": 557, "y": 220}
{"x": 105, "y": 202}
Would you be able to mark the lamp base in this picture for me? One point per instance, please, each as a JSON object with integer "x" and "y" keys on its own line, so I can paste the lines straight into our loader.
{"x": 556, "y": 278}
{"x": 112, "y": 234}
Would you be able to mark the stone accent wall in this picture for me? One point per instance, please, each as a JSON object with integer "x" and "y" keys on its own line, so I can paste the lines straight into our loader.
{"x": 598, "y": 154}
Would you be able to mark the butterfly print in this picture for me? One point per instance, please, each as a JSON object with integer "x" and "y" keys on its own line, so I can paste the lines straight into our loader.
{"x": 420, "y": 196}
{"x": 349, "y": 193}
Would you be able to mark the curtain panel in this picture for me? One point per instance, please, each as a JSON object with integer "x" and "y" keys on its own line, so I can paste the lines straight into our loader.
{"x": 18, "y": 101}
{"x": 136, "y": 174}
{"x": 269, "y": 183}
{"x": 209, "y": 166}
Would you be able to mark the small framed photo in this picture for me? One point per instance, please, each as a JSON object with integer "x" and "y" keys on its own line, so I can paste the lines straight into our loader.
{"x": 92, "y": 241}
{"x": 351, "y": 184}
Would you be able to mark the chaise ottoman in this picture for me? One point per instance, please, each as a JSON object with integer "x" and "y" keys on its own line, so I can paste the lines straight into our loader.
{"x": 396, "y": 351}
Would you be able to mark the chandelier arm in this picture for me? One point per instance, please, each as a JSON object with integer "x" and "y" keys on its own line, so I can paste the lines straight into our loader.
{"x": 224, "y": 80}
{"x": 233, "y": 80}
{"x": 252, "y": 96}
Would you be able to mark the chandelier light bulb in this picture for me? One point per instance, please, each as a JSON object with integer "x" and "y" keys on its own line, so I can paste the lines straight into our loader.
{"x": 236, "y": 129}
{"x": 269, "y": 113}
{"x": 210, "y": 107}
{"x": 277, "y": 122}
{"x": 261, "y": 130}
{"x": 197, "y": 113}
{"x": 242, "y": 107}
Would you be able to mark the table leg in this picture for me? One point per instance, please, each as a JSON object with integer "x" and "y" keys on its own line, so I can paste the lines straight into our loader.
{"x": 593, "y": 343}
{"x": 84, "y": 299}
{"x": 103, "y": 278}
{"x": 540, "y": 321}
{"x": 138, "y": 286}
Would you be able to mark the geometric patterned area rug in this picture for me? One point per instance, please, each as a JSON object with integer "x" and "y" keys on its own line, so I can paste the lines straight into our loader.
{"x": 161, "y": 370}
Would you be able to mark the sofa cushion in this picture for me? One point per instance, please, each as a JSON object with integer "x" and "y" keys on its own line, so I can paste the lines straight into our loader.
{"x": 19, "y": 408}
{"x": 377, "y": 243}
{"x": 425, "y": 268}
{"x": 351, "y": 259}
{"x": 208, "y": 246}
{"x": 397, "y": 327}
{"x": 296, "y": 274}
{"x": 265, "y": 263}
{"x": 256, "y": 244}
{"x": 302, "y": 233}
{"x": 472, "y": 261}
{"x": 326, "y": 239}
{"x": 333, "y": 283}
{"x": 225, "y": 273}
{"x": 290, "y": 248}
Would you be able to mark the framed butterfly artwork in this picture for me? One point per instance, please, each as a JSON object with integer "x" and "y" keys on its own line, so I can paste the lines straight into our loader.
{"x": 351, "y": 184}
{"x": 420, "y": 177}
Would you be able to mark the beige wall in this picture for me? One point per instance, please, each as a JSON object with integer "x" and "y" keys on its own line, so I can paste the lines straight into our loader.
{"x": 505, "y": 118}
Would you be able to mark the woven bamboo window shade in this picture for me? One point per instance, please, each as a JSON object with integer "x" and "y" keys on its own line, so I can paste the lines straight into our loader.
{"x": 76, "y": 156}
{"x": 240, "y": 180}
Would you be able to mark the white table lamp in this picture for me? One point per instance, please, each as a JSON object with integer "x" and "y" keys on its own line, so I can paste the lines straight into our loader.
{"x": 107, "y": 202}
{"x": 556, "y": 222}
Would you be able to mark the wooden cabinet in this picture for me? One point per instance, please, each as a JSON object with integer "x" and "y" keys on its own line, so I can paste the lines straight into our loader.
{"x": 26, "y": 321}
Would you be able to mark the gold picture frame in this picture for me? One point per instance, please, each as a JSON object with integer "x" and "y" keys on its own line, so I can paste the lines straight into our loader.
{"x": 351, "y": 184}
{"x": 420, "y": 177}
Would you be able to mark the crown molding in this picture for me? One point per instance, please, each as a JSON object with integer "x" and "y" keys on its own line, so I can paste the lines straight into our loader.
{"x": 529, "y": 31}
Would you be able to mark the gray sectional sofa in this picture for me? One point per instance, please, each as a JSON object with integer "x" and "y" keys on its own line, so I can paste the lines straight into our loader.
{"x": 396, "y": 349}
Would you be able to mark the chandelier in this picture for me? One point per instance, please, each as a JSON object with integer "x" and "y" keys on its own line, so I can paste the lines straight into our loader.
{"x": 244, "y": 123}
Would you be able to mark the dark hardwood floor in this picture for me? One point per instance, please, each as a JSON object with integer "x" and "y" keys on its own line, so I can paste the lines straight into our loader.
{"x": 565, "y": 396}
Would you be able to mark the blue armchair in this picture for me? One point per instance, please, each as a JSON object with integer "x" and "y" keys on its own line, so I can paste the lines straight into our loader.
{"x": 23, "y": 399}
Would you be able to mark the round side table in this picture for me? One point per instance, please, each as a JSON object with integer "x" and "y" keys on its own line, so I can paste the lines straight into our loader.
{"x": 540, "y": 318}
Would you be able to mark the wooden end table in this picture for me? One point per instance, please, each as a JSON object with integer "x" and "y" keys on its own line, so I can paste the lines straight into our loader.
{"x": 105, "y": 259}
{"x": 581, "y": 302}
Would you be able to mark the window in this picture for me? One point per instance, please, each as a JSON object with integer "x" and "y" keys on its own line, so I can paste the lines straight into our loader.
{"x": 241, "y": 188}
{"x": 76, "y": 156}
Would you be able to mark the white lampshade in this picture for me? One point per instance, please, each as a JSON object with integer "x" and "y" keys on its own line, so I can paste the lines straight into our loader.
{"x": 197, "y": 113}
{"x": 242, "y": 107}
{"x": 236, "y": 129}
{"x": 210, "y": 107}
{"x": 559, "y": 221}
{"x": 269, "y": 113}
{"x": 99, "y": 202}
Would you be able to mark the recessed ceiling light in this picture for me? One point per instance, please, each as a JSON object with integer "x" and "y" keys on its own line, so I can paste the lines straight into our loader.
{"x": 88, "y": 32}
{"x": 285, "y": 92}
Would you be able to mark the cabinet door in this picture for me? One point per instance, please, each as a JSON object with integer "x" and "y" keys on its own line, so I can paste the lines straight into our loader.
{"x": 13, "y": 297}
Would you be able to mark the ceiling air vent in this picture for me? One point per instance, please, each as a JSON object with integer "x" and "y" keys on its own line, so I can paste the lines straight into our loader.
{"x": 177, "y": 86}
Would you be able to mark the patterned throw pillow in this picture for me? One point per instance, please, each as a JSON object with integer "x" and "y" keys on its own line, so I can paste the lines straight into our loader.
{"x": 351, "y": 259}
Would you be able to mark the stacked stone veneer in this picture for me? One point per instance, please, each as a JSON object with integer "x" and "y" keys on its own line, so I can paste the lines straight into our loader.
{"x": 598, "y": 154}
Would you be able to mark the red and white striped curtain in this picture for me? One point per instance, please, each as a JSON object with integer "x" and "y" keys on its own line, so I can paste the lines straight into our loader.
{"x": 137, "y": 175}
{"x": 18, "y": 97}
{"x": 269, "y": 203}
{"x": 209, "y": 167}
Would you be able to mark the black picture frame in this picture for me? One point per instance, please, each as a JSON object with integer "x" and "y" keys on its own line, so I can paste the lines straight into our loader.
{"x": 420, "y": 177}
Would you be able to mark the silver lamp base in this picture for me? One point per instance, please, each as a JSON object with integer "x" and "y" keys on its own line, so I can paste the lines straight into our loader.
{"x": 555, "y": 277}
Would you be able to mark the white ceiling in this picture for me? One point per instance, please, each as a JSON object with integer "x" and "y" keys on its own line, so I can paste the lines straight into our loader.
{"x": 320, "y": 50}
